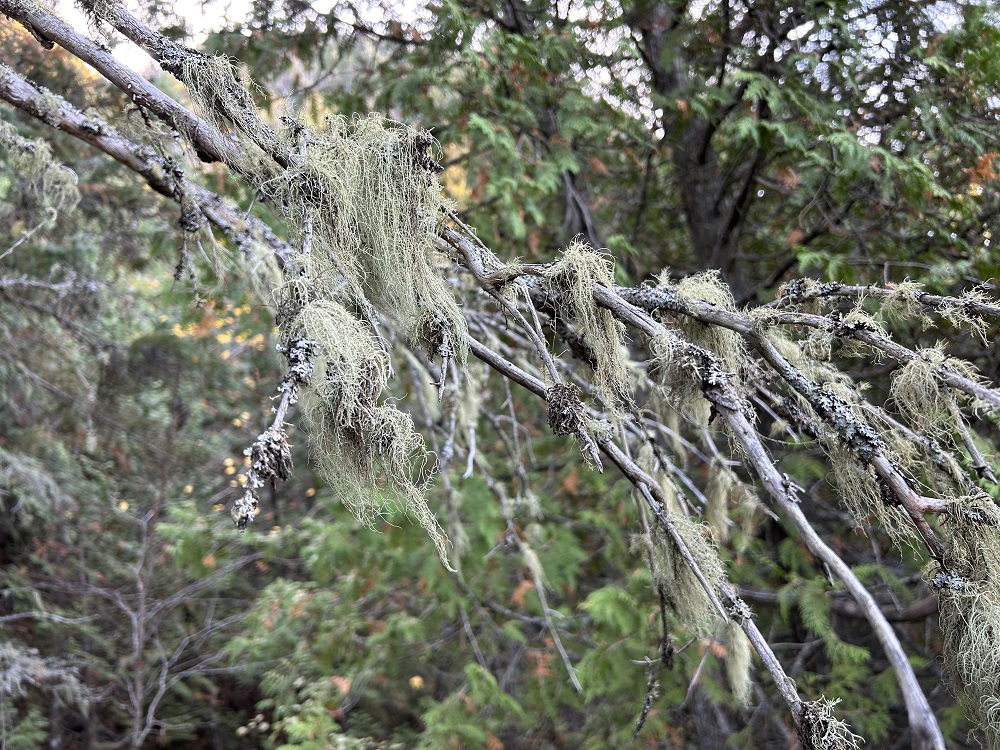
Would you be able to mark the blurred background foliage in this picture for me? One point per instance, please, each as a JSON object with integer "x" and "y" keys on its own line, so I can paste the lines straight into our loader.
{"x": 847, "y": 140}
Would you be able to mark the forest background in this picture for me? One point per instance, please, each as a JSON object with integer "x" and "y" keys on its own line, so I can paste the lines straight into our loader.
{"x": 713, "y": 152}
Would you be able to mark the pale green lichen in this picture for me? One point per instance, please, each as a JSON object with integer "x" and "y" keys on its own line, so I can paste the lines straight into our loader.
{"x": 35, "y": 169}
{"x": 708, "y": 286}
{"x": 684, "y": 593}
{"x": 722, "y": 490}
{"x": 821, "y": 730}
{"x": 363, "y": 205}
{"x": 571, "y": 281}
{"x": 368, "y": 451}
{"x": 738, "y": 656}
{"x": 863, "y": 494}
{"x": 923, "y": 399}
{"x": 904, "y": 304}
{"x": 969, "y": 606}
{"x": 373, "y": 211}
{"x": 676, "y": 379}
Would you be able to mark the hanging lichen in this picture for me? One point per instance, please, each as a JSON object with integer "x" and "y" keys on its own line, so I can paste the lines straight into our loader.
{"x": 738, "y": 655}
{"x": 684, "y": 593}
{"x": 708, "y": 286}
{"x": 675, "y": 376}
{"x": 368, "y": 451}
{"x": 923, "y": 399}
{"x": 969, "y": 606}
{"x": 362, "y": 201}
{"x": 650, "y": 463}
{"x": 724, "y": 491}
{"x": 571, "y": 280}
{"x": 373, "y": 209}
{"x": 903, "y": 304}
{"x": 35, "y": 168}
{"x": 864, "y": 494}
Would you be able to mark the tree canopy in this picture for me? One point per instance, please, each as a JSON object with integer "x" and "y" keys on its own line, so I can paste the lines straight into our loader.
{"x": 500, "y": 374}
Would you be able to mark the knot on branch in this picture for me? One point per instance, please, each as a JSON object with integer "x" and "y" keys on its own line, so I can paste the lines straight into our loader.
{"x": 270, "y": 457}
{"x": 565, "y": 409}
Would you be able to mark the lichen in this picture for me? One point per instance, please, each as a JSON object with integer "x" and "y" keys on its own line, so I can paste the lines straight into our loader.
{"x": 864, "y": 494}
{"x": 684, "y": 593}
{"x": 738, "y": 655}
{"x": 570, "y": 280}
{"x": 37, "y": 171}
{"x": 726, "y": 344}
{"x": 676, "y": 379}
{"x": 821, "y": 730}
{"x": 968, "y": 586}
{"x": 373, "y": 211}
{"x": 923, "y": 399}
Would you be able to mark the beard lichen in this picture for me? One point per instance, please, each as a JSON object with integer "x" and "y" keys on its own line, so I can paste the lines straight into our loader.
{"x": 362, "y": 200}
{"x": 723, "y": 488}
{"x": 708, "y": 286}
{"x": 864, "y": 494}
{"x": 368, "y": 451}
{"x": 969, "y": 604}
{"x": 676, "y": 379}
{"x": 53, "y": 184}
{"x": 923, "y": 399}
{"x": 570, "y": 281}
{"x": 683, "y": 592}
{"x": 738, "y": 655}
{"x": 373, "y": 209}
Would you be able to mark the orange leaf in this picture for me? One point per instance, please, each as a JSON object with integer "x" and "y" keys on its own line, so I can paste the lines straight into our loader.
{"x": 795, "y": 236}
{"x": 598, "y": 165}
{"x": 571, "y": 482}
{"x": 522, "y": 588}
{"x": 343, "y": 684}
{"x": 788, "y": 178}
{"x": 984, "y": 171}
